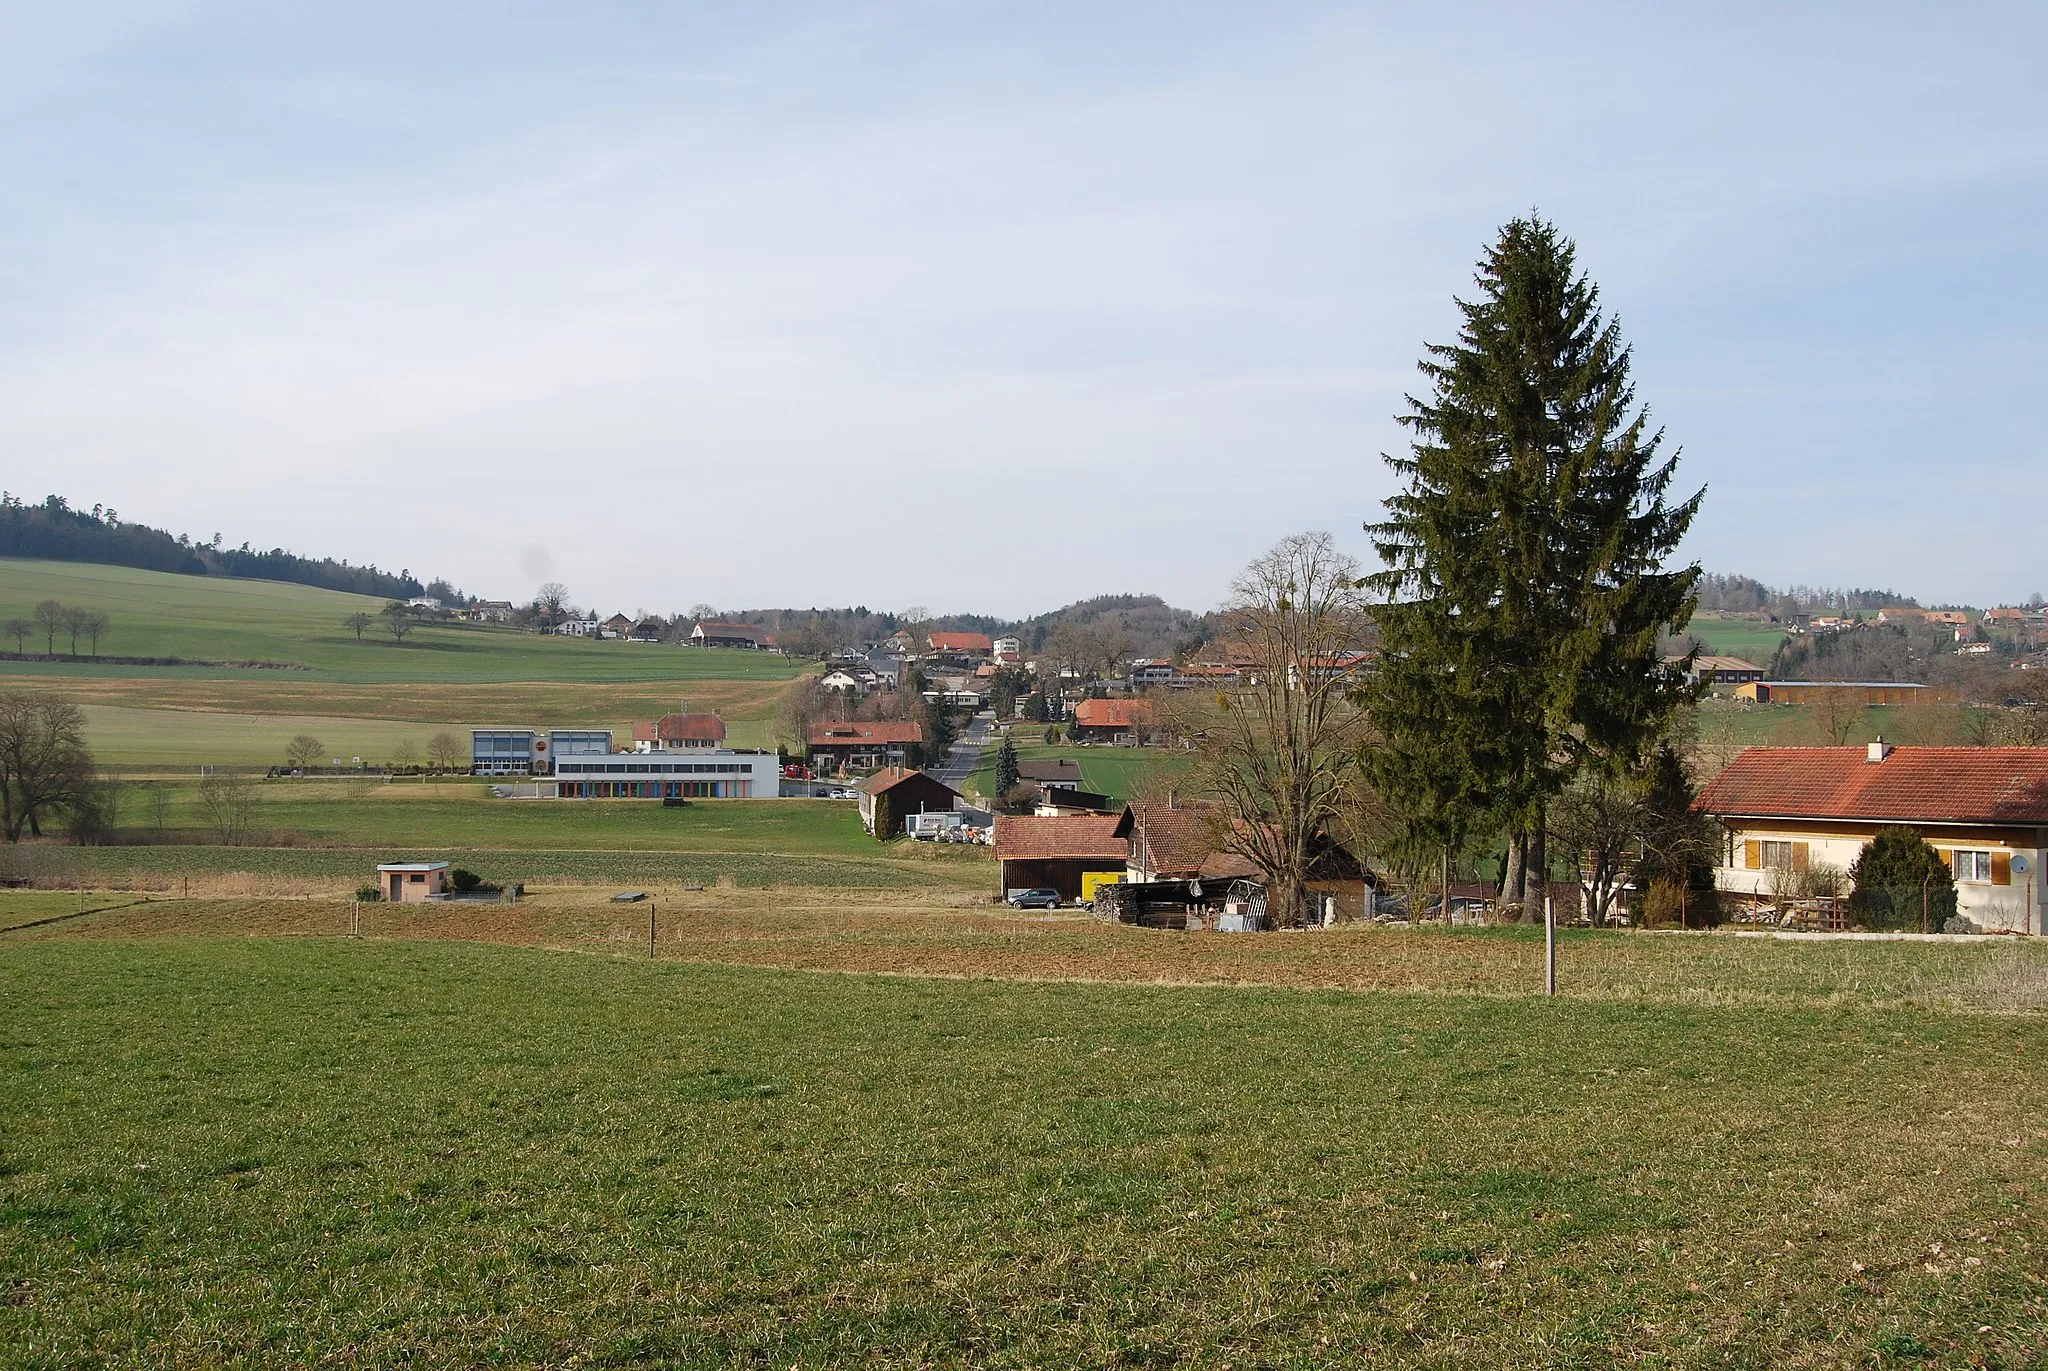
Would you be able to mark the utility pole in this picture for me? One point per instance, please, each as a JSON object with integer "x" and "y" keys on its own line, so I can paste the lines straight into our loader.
{"x": 650, "y": 928}
{"x": 1549, "y": 946}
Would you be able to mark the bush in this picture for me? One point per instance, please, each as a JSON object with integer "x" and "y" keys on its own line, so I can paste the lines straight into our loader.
{"x": 369, "y": 894}
{"x": 464, "y": 880}
{"x": 1901, "y": 882}
{"x": 1660, "y": 907}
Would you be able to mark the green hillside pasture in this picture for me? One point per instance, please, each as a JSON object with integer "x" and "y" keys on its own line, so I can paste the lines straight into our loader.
{"x": 253, "y": 1151}
{"x": 1111, "y": 771}
{"x": 156, "y": 614}
{"x": 1753, "y": 642}
{"x": 141, "y": 739}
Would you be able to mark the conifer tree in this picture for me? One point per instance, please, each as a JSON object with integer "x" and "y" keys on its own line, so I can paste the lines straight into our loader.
{"x": 1006, "y": 767}
{"x": 1524, "y": 586}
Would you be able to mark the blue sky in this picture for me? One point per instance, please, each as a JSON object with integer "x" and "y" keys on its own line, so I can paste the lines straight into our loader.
{"x": 994, "y": 307}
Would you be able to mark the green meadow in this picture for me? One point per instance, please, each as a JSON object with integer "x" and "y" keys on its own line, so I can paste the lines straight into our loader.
{"x": 317, "y": 1151}
{"x": 1113, "y": 771}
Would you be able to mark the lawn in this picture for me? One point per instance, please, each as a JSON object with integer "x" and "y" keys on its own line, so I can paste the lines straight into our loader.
{"x": 268, "y": 1151}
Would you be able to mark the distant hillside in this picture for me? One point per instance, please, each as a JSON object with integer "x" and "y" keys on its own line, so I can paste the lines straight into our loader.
{"x": 1746, "y": 595}
{"x": 53, "y": 531}
{"x": 1150, "y": 626}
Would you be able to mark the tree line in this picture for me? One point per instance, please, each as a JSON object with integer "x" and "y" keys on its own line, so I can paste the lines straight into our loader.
{"x": 52, "y": 530}
{"x": 51, "y": 619}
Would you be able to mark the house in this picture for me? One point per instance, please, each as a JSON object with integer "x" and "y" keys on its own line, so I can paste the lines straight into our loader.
{"x": 1059, "y": 853}
{"x": 412, "y": 882}
{"x": 712, "y": 633}
{"x": 1948, "y": 618}
{"x": 1985, "y": 809}
{"x": 683, "y": 732}
{"x": 1179, "y": 842}
{"x": 1007, "y": 649}
{"x": 578, "y": 628}
{"x": 843, "y": 681}
{"x": 863, "y": 746}
{"x": 960, "y": 644}
{"x": 424, "y": 602}
{"x": 1056, "y": 802}
{"x": 1901, "y": 614}
{"x": 901, "y": 643}
{"x": 1854, "y": 692}
{"x": 1112, "y": 721}
{"x": 894, "y": 793}
{"x": 646, "y": 631}
{"x": 1054, "y": 773}
{"x": 1978, "y": 649}
{"x": 1714, "y": 670}
{"x": 888, "y": 670}
{"x": 618, "y": 626}
{"x": 2005, "y": 617}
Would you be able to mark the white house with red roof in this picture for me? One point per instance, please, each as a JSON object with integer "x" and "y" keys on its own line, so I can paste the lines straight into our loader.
{"x": 1985, "y": 809}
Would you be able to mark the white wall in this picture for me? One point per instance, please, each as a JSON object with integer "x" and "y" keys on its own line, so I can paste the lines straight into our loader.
{"x": 1992, "y": 907}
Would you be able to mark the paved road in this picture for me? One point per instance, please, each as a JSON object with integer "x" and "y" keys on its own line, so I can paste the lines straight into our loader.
{"x": 966, "y": 751}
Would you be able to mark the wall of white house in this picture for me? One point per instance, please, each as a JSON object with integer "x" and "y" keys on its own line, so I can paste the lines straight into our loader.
{"x": 2017, "y": 907}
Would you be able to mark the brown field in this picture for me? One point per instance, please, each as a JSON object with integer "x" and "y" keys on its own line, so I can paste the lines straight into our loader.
{"x": 963, "y": 936}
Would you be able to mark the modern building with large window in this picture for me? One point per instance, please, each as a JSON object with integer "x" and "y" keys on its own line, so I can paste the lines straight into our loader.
{"x": 668, "y": 776}
{"x": 504, "y": 751}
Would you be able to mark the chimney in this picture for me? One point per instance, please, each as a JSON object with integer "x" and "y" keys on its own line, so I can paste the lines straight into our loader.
{"x": 1879, "y": 750}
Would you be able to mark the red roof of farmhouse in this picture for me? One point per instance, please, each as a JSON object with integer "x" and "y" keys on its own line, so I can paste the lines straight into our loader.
{"x": 682, "y": 728}
{"x": 1959, "y": 785}
{"x": 1112, "y": 713}
{"x": 1083, "y": 837}
{"x": 959, "y": 642}
{"x": 853, "y": 734}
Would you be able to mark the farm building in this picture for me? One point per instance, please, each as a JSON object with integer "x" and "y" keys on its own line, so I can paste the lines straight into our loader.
{"x": 1853, "y": 692}
{"x": 1112, "y": 721}
{"x": 618, "y": 626}
{"x": 1060, "y": 854}
{"x": 894, "y": 793}
{"x": 1985, "y": 809}
{"x": 412, "y": 882}
{"x": 1179, "y": 842}
{"x": 960, "y": 644}
{"x": 850, "y": 746}
{"x": 1716, "y": 670}
{"x": 711, "y": 633}
{"x": 676, "y": 774}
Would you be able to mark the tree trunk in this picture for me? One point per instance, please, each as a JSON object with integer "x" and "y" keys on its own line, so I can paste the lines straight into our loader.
{"x": 1535, "y": 874}
{"x": 1514, "y": 874}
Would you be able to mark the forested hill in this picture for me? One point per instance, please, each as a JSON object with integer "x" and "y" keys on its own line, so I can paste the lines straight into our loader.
{"x": 54, "y": 531}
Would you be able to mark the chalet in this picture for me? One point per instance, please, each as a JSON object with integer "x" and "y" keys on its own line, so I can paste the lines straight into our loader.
{"x": 1728, "y": 671}
{"x": 960, "y": 644}
{"x": 1985, "y": 809}
{"x": 894, "y": 793}
{"x": 618, "y": 626}
{"x": 680, "y": 733}
{"x": 1071, "y": 854}
{"x": 1055, "y": 773}
{"x": 863, "y": 746}
{"x": 712, "y": 633}
{"x": 1112, "y": 721}
{"x": 646, "y": 631}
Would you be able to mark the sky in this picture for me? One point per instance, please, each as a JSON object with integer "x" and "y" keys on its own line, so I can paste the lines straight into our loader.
{"x": 988, "y": 308}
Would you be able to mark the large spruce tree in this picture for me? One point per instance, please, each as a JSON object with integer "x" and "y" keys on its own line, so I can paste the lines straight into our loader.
{"x": 1524, "y": 586}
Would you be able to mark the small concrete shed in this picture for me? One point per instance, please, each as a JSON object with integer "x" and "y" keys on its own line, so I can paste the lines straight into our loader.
{"x": 412, "y": 882}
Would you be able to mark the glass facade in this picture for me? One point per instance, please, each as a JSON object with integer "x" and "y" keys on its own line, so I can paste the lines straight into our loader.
{"x": 501, "y": 752}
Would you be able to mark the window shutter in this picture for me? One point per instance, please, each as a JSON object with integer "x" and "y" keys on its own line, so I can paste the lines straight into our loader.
{"x": 2001, "y": 868}
{"x": 1752, "y": 855}
{"x": 1800, "y": 853}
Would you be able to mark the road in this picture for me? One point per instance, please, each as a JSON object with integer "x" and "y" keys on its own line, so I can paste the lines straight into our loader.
{"x": 966, "y": 751}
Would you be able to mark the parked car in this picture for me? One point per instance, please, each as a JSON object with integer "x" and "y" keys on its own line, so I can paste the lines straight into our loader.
{"x": 1035, "y": 899}
{"x": 843, "y": 795}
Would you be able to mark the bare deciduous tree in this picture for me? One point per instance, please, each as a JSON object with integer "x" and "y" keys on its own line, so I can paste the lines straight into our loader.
{"x": 19, "y": 630}
{"x": 405, "y": 756}
{"x": 398, "y": 619}
{"x": 44, "y": 764}
{"x": 75, "y": 621}
{"x": 49, "y": 618}
{"x": 1600, "y": 821}
{"x": 229, "y": 802}
{"x": 445, "y": 751}
{"x": 360, "y": 622}
{"x": 303, "y": 750}
{"x": 550, "y": 598}
{"x": 95, "y": 629}
{"x": 1279, "y": 752}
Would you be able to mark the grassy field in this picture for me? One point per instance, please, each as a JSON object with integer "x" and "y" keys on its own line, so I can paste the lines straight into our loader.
{"x": 359, "y": 698}
{"x": 1111, "y": 771}
{"x": 1751, "y": 641}
{"x": 242, "y": 1151}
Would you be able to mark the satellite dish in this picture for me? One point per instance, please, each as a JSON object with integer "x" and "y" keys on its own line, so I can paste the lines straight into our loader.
{"x": 2019, "y": 864}
{"x": 1195, "y": 889}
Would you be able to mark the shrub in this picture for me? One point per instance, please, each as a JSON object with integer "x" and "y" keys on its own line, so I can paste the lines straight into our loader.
{"x": 1660, "y": 907}
{"x": 465, "y": 881}
{"x": 1901, "y": 881}
{"x": 369, "y": 894}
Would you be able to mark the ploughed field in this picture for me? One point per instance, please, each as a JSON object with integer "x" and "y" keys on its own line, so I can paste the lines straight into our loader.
{"x": 235, "y": 1136}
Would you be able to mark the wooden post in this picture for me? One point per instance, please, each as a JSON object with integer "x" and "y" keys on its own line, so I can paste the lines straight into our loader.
{"x": 650, "y": 928}
{"x": 1549, "y": 946}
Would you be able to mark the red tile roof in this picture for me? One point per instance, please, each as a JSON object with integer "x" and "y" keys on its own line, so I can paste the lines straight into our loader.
{"x": 881, "y": 731}
{"x": 681, "y": 728}
{"x": 959, "y": 642}
{"x": 1178, "y": 839}
{"x": 1113, "y": 713}
{"x": 889, "y": 777}
{"x": 1963, "y": 785}
{"x": 714, "y": 628}
{"x": 1083, "y": 837}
